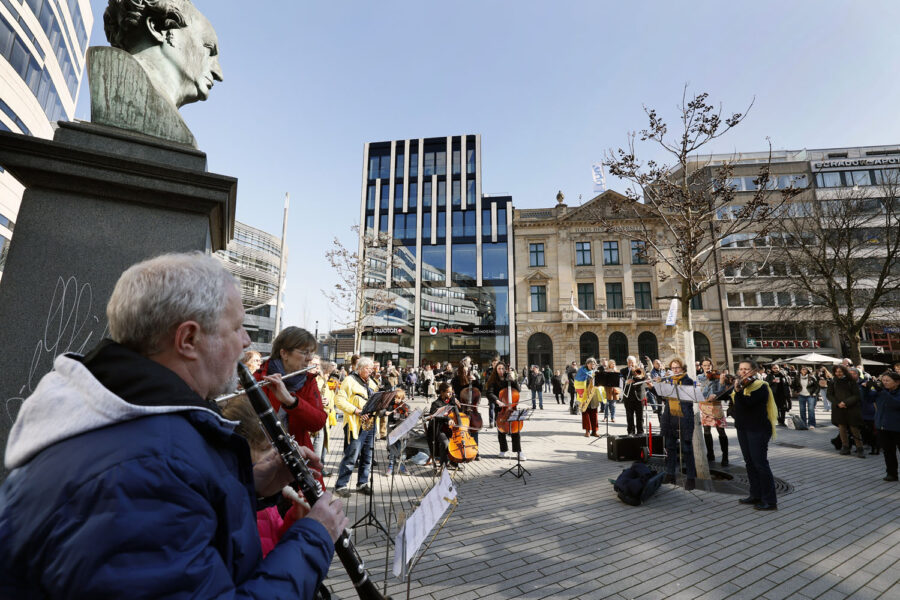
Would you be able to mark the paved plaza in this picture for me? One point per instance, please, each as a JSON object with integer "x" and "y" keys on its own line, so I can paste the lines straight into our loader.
{"x": 564, "y": 534}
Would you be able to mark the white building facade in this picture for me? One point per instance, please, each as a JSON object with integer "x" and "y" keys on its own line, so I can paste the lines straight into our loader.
{"x": 43, "y": 44}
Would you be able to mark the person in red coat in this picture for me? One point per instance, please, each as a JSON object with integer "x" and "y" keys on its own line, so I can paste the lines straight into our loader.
{"x": 294, "y": 399}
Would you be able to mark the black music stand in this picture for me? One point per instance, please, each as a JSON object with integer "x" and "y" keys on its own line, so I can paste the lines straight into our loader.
{"x": 377, "y": 402}
{"x": 606, "y": 380}
{"x": 517, "y": 470}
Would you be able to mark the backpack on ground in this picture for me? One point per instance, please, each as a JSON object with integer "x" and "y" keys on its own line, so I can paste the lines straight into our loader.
{"x": 637, "y": 484}
{"x": 797, "y": 423}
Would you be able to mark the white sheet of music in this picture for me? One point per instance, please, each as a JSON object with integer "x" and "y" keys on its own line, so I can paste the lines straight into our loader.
{"x": 685, "y": 393}
{"x": 422, "y": 521}
{"x": 404, "y": 426}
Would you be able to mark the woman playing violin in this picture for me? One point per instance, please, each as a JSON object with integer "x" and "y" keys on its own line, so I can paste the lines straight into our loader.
{"x": 500, "y": 381}
{"x": 677, "y": 425}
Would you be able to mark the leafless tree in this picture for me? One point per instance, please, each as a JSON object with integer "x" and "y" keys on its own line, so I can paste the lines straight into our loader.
{"x": 843, "y": 255}
{"x": 680, "y": 202}
{"x": 360, "y": 292}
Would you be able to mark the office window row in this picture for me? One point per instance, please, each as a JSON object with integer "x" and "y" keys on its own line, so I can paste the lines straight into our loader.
{"x": 584, "y": 257}
{"x": 14, "y": 49}
{"x": 586, "y": 300}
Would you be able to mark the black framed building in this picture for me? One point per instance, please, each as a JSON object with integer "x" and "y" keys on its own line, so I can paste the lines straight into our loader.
{"x": 437, "y": 255}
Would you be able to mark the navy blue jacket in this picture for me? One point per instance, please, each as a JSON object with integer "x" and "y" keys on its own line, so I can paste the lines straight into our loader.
{"x": 887, "y": 411}
{"x": 126, "y": 484}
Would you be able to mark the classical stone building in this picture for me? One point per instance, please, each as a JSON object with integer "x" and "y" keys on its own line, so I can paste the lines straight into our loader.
{"x": 565, "y": 259}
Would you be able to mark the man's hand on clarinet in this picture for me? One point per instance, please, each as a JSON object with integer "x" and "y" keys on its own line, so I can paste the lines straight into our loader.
{"x": 329, "y": 511}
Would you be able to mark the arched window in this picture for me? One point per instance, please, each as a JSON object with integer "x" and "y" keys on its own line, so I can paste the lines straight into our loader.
{"x": 540, "y": 350}
{"x": 588, "y": 346}
{"x": 647, "y": 346}
{"x": 618, "y": 347}
{"x": 702, "y": 349}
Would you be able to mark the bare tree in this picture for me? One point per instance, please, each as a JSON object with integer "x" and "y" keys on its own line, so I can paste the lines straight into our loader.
{"x": 680, "y": 203}
{"x": 843, "y": 253}
{"x": 360, "y": 292}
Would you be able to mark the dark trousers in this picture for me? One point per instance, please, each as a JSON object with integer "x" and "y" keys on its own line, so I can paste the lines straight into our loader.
{"x": 890, "y": 443}
{"x": 781, "y": 405}
{"x": 755, "y": 449}
{"x": 560, "y": 399}
{"x": 634, "y": 414}
{"x": 516, "y": 441}
{"x": 671, "y": 438}
{"x": 571, "y": 399}
{"x": 708, "y": 439}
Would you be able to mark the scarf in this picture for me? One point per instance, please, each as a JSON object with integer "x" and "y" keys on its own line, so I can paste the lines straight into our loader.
{"x": 771, "y": 411}
{"x": 292, "y": 383}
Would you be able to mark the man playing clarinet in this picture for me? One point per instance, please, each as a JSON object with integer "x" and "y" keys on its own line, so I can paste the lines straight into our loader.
{"x": 126, "y": 480}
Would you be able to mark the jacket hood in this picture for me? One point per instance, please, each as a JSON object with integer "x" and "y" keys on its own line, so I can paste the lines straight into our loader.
{"x": 70, "y": 401}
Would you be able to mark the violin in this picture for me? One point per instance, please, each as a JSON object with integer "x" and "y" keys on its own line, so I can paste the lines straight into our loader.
{"x": 509, "y": 398}
{"x": 461, "y": 447}
{"x": 470, "y": 397}
{"x": 713, "y": 375}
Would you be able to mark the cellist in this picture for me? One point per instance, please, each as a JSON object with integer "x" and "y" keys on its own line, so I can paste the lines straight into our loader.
{"x": 498, "y": 381}
{"x": 438, "y": 429}
{"x": 463, "y": 380}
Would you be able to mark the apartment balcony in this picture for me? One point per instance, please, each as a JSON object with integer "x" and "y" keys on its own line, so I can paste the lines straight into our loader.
{"x": 613, "y": 315}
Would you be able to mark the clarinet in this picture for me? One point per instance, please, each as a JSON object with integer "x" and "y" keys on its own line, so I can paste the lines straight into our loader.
{"x": 312, "y": 490}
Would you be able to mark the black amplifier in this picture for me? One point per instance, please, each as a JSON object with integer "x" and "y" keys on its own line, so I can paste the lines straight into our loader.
{"x": 631, "y": 447}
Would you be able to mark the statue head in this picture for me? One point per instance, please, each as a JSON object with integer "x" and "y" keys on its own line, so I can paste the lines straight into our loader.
{"x": 172, "y": 41}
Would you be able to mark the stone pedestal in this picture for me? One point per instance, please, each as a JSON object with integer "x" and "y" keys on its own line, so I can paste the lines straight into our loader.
{"x": 98, "y": 199}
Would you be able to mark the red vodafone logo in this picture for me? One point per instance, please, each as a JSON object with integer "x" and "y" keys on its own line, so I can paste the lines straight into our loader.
{"x": 433, "y": 330}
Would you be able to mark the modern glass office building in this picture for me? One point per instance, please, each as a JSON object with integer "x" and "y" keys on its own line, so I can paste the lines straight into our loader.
{"x": 254, "y": 257}
{"x": 43, "y": 44}
{"x": 436, "y": 254}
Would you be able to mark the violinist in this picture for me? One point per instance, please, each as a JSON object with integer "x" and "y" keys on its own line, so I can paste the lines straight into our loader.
{"x": 711, "y": 412}
{"x": 498, "y": 381}
{"x": 677, "y": 425}
{"x": 438, "y": 428}
{"x": 755, "y": 415}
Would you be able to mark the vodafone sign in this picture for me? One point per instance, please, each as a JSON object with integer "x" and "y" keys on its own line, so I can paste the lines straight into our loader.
{"x": 433, "y": 330}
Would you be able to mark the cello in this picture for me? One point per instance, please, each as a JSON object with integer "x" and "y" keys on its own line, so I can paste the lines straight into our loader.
{"x": 509, "y": 398}
{"x": 461, "y": 448}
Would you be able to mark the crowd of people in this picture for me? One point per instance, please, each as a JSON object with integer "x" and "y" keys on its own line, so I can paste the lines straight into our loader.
{"x": 121, "y": 451}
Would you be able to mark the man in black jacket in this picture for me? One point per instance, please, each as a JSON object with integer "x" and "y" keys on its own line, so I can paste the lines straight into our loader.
{"x": 536, "y": 385}
{"x": 781, "y": 390}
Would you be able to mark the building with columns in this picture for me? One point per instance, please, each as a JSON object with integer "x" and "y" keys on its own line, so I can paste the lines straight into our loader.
{"x": 436, "y": 254}
{"x": 565, "y": 259}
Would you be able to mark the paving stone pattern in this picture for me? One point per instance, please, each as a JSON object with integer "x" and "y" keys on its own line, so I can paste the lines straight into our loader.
{"x": 564, "y": 534}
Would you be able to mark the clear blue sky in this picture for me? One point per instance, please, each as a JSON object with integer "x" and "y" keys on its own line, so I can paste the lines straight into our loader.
{"x": 549, "y": 85}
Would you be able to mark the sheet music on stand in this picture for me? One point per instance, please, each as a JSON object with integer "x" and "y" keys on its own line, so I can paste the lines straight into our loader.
{"x": 417, "y": 527}
{"x": 404, "y": 427}
{"x": 683, "y": 393}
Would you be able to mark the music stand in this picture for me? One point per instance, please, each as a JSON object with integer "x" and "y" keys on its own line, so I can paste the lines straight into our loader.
{"x": 605, "y": 380}
{"x": 377, "y": 402}
{"x": 517, "y": 470}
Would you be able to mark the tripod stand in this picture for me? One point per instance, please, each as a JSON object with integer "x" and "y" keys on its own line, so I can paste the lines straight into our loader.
{"x": 370, "y": 518}
{"x": 517, "y": 470}
{"x": 602, "y": 435}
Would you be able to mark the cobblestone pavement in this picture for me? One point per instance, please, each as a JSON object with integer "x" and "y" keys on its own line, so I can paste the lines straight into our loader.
{"x": 562, "y": 533}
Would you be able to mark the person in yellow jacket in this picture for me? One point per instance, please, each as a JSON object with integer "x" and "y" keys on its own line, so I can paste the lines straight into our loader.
{"x": 593, "y": 397}
{"x": 351, "y": 398}
{"x": 327, "y": 381}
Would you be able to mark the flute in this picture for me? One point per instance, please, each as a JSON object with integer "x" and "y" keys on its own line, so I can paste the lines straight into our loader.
{"x": 310, "y": 487}
{"x": 228, "y": 397}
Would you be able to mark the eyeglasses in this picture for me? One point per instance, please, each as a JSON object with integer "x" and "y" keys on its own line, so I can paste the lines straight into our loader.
{"x": 306, "y": 353}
